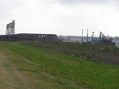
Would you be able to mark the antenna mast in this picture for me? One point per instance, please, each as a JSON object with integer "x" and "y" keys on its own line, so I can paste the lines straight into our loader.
{"x": 82, "y": 35}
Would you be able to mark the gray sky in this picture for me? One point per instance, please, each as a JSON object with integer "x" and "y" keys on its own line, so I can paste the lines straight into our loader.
{"x": 62, "y": 17}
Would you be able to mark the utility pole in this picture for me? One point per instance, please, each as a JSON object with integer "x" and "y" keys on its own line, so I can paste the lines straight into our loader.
{"x": 82, "y": 35}
{"x": 87, "y": 35}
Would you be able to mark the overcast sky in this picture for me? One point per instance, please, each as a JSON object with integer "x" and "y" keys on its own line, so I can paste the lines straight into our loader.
{"x": 62, "y": 17}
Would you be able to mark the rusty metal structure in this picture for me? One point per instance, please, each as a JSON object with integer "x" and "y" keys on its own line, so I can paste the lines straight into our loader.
{"x": 105, "y": 39}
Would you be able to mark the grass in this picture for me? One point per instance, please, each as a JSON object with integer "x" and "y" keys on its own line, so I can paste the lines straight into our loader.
{"x": 46, "y": 66}
{"x": 98, "y": 52}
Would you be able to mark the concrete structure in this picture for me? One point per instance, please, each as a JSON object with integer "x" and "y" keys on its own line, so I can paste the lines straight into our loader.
{"x": 10, "y": 28}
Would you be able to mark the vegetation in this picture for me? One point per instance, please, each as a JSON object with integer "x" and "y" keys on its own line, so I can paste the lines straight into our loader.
{"x": 98, "y": 52}
{"x": 45, "y": 65}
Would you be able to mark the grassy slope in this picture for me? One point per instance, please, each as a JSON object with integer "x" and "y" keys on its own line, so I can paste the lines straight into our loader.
{"x": 98, "y": 53}
{"x": 39, "y": 68}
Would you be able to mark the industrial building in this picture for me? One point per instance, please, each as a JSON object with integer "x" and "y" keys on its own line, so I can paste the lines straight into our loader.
{"x": 29, "y": 37}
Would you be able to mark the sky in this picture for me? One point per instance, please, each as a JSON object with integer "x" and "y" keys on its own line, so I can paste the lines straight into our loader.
{"x": 61, "y": 17}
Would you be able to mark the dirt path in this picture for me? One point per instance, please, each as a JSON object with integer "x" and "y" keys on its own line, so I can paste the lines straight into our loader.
{"x": 12, "y": 78}
{"x": 9, "y": 77}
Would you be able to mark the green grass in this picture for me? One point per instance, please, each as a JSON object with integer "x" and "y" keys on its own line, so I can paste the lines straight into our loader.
{"x": 99, "y": 53}
{"x": 50, "y": 69}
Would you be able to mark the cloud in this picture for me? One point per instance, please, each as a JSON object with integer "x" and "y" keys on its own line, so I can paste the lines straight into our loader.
{"x": 75, "y": 1}
{"x": 83, "y": 1}
{"x": 66, "y": 17}
{"x": 6, "y": 6}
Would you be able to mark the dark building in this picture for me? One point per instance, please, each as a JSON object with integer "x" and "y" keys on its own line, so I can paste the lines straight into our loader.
{"x": 29, "y": 37}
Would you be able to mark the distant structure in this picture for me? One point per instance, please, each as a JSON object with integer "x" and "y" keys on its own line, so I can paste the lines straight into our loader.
{"x": 10, "y": 28}
{"x": 106, "y": 40}
{"x": 29, "y": 37}
{"x": 92, "y": 36}
{"x": 12, "y": 37}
